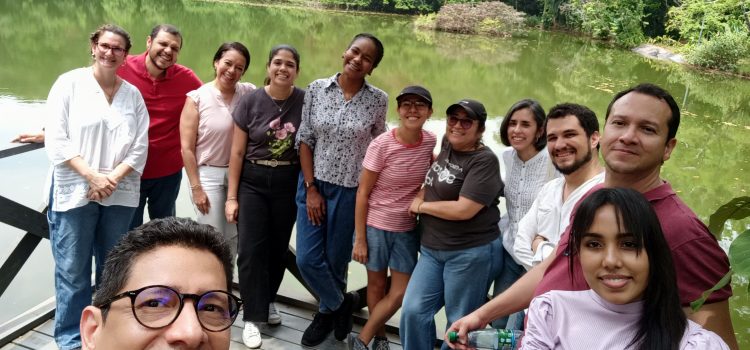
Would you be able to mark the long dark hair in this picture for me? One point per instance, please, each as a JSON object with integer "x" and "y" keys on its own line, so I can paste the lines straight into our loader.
{"x": 662, "y": 323}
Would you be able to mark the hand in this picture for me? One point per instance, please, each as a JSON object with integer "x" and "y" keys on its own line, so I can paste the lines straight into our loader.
{"x": 359, "y": 252}
{"x": 200, "y": 199}
{"x": 30, "y": 138}
{"x": 535, "y": 243}
{"x": 316, "y": 206}
{"x": 231, "y": 208}
{"x": 464, "y": 325}
{"x": 415, "y": 206}
{"x": 102, "y": 184}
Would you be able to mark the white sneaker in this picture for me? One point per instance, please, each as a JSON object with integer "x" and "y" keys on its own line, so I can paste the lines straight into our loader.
{"x": 274, "y": 318}
{"x": 251, "y": 336}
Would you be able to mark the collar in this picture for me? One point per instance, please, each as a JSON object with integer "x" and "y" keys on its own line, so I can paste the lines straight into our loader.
{"x": 334, "y": 81}
{"x": 660, "y": 192}
{"x": 139, "y": 62}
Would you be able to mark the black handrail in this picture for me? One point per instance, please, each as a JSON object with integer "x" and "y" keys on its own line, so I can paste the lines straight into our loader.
{"x": 36, "y": 227}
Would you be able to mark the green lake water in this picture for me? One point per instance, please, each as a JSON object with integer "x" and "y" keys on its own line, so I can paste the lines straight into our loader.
{"x": 39, "y": 40}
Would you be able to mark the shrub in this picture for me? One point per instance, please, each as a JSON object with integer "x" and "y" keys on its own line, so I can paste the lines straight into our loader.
{"x": 696, "y": 18}
{"x": 494, "y": 18}
{"x": 723, "y": 51}
{"x": 617, "y": 21}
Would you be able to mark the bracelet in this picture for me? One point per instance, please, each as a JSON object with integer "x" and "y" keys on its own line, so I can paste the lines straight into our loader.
{"x": 231, "y": 199}
{"x": 195, "y": 187}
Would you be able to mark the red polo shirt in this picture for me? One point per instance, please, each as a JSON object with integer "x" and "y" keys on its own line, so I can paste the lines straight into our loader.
{"x": 164, "y": 99}
{"x": 698, "y": 260}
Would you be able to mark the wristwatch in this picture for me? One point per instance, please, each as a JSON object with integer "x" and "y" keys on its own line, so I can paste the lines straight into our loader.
{"x": 309, "y": 184}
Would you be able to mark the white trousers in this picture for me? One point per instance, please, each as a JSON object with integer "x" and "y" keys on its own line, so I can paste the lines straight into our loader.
{"x": 214, "y": 183}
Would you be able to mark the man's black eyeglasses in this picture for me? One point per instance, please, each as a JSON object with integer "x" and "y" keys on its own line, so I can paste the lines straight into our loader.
{"x": 159, "y": 306}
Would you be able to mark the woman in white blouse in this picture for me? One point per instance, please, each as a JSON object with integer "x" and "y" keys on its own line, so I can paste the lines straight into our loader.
{"x": 206, "y": 128}
{"x": 527, "y": 169}
{"x": 96, "y": 139}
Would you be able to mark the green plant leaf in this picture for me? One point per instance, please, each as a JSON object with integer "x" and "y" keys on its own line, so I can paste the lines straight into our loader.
{"x": 696, "y": 305}
{"x": 739, "y": 254}
{"x": 738, "y": 208}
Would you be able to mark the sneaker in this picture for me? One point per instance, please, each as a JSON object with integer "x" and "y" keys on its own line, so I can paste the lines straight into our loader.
{"x": 274, "y": 318}
{"x": 342, "y": 321}
{"x": 318, "y": 329}
{"x": 355, "y": 343}
{"x": 380, "y": 343}
{"x": 251, "y": 336}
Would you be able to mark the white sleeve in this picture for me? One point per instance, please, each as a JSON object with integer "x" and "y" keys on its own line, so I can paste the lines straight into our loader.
{"x": 525, "y": 235}
{"x": 136, "y": 156}
{"x": 57, "y": 141}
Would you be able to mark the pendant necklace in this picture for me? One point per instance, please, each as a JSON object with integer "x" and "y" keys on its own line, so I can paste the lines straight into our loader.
{"x": 111, "y": 94}
{"x": 285, "y": 100}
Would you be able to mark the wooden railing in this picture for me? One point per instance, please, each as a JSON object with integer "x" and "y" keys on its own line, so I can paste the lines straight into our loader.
{"x": 34, "y": 224}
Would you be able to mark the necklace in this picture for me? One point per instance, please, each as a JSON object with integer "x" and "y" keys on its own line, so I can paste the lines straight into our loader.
{"x": 111, "y": 94}
{"x": 283, "y": 104}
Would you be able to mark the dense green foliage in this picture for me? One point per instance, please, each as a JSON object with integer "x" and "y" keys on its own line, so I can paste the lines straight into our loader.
{"x": 396, "y": 6}
{"x": 723, "y": 51}
{"x": 617, "y": 21}
{"x": 695, "y": 20}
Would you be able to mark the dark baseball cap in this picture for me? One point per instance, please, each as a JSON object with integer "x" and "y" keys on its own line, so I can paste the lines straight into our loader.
{"x": 474, "y": 109}
{"x": 415, "y": 90}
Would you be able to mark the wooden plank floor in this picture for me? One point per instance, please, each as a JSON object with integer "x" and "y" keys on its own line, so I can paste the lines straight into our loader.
{"x": 285, "y": 336}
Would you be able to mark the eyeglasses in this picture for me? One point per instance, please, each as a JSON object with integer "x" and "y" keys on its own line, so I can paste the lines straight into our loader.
{"x": 159, "y": 306}
{"x": 419, "y": 105}
{"x": 117, "y": 51}
{"x": 465, "y": 123}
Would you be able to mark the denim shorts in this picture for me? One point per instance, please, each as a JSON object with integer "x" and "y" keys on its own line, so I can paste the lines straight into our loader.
{"x": 397, "y": 250}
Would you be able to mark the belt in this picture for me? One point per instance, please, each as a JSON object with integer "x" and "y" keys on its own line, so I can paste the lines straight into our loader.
{"x": 273, "y": 162}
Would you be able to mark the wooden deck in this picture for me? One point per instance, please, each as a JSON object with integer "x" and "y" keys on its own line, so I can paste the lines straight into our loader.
{"x": 285, "y": 336}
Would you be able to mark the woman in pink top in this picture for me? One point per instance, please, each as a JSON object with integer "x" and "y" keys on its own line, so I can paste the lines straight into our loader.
{"x": 393, "y": 171}
{"x": 206, "y": 136}
{"x": 633, "y": 301}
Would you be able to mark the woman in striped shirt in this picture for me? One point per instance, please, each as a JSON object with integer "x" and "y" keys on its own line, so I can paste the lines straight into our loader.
{"x": 393, "y": 171}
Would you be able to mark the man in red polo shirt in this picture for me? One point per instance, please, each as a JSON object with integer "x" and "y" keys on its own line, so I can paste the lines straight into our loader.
{"x": 163, "y": 85}
{"x": 639, "y": 136}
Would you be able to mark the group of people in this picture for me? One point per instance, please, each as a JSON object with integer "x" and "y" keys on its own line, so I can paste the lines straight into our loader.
{"x": 120, "y": 131}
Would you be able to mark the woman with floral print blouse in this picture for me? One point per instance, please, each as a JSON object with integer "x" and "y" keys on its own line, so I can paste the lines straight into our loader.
{"x": 340, "y": 117}
{"x": 263, "y": 169}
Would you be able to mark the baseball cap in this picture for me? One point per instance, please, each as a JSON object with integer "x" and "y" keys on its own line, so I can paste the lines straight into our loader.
{"x": 415, "y": 90}
{"x": 474, "y": 109}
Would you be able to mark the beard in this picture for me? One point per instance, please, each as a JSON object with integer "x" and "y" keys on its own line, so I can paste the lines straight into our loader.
{"x": 577, "y": 164}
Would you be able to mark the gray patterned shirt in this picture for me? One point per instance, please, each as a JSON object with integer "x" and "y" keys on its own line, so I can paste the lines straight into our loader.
{"x": 339, "y": 131}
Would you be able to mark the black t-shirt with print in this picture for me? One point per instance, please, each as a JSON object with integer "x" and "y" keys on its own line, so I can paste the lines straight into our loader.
{"x": 474, "y": 175}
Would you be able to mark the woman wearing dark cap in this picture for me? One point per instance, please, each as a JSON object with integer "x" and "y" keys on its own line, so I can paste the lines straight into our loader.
{"x": 460, "y": 238}
{"x": 340, "y": 116}
{"x": 394, "y": 169}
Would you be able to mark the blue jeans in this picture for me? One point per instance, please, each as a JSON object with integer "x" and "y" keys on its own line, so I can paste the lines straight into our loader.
{"x": 160, "y": 194}
{"x": 324, "y": 252}
{"x": 456, "y": 279}
{"x": 75, "y": 235}
{"x": 509, "y": 274}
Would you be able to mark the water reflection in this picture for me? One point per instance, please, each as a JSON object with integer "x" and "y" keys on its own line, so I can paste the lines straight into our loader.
{"x": 42, "y": 39}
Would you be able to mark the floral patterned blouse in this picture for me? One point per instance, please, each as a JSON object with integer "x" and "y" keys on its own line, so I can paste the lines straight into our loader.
{"x": 338, "y": 130}
{"x": 270, "y": 125}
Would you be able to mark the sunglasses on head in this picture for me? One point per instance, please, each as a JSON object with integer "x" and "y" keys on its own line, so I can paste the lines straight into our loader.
{"x": 465, "y": 123}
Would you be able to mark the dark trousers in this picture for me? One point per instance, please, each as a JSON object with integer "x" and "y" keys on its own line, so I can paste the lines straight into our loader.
{"x": 160, "y": 194}
{"x": 266, "y": 216}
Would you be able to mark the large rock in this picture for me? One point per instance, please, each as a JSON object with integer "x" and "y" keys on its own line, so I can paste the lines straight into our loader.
{"x": 659, "y": 53}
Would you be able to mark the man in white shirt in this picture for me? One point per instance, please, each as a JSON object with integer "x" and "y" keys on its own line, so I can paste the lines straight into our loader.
{"x": 573, "y": 145}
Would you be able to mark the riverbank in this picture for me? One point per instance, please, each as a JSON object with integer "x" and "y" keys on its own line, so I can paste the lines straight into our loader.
{"x": 725, "y": 53}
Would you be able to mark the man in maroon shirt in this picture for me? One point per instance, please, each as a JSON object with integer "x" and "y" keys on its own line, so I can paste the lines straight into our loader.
{"x": 163, "y": 84}
{"x": 639, "y": 136}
